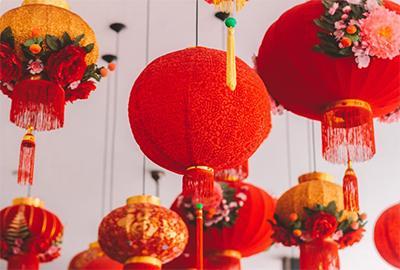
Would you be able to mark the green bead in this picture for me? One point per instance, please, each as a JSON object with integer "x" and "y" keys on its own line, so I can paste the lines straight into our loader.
{"x": 230, "y": 22}
{"x": 199, "y": 206}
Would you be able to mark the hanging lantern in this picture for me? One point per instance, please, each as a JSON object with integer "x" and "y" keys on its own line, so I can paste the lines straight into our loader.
{"x": 29, "y": 234}
{"x": 175, "y": 128}
{"x": 345, "y": 81}
{"x": 142, "y": 234}
{"x": 311, "y": 215}
{"x": 387, "y": 235}
{"x": 229, "y": 7}
{"x": 93, "y": 258}
{"x": 238, "y": 173}
{"x": 229, "y": 232}
{"x": 46, "y": 61}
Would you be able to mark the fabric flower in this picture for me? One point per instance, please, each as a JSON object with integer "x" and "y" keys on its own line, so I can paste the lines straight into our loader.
{"x": 213, "y": 201}
{"x": 380, "y": 31}
{"x": 67, "y": 65}
{"x": 351, "y": 238}
{"x": 354, "y": 2}
{"x": 74, "y": 85}
{"x": 283, "y": 236}
{"x": 346, "y": 9}
{"x": 81, "y": 92}
{"x": 371, "y": 4}
{"x": 10, "y": 65}
{"x": 35, "y": 67}
{"x": 321, "y": 225}
{"x": 340, "y": 25}
{"x": 333, "y": 8}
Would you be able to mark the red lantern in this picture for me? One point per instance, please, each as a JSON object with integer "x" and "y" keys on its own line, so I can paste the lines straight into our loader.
{"x": 29, "y": 234}
{"x": 335, "y": 91}
{"x": 93, "y": 258}
{"x": 187, "y": 120}
{"x": 142, "y": 234}
{"x": 387, "y": 235}
{"x": 241, "y": 232}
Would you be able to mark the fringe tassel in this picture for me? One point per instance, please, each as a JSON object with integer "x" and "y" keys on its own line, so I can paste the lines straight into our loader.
{"x": 198, "y": 183}
{"x": 27, "y": 158}
{"x": 350, "y": 190}
{"x": 228, "y": 5}
{"x": 230, "y": 55}
{"x": 199, "y": 237}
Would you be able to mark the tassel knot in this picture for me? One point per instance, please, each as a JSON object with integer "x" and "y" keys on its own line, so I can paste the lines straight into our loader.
{"x": 350, "y": 190}
{"x": 230, "y": 54}
{"x": 27, "y": 158}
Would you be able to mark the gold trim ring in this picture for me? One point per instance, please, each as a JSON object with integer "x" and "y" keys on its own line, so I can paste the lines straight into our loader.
{"x": 229, "y": 253}
{"x": 204, "y": 168}
{"x": 36, "y": 202}
{"x": 143, "y": 199}
{"x": 316, "y": 176}
{"x": 357, "y": 103}
{"x": 145, "y": 260}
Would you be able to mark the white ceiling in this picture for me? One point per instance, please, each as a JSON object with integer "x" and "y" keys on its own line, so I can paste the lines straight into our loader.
{"x": 69, "y": 161}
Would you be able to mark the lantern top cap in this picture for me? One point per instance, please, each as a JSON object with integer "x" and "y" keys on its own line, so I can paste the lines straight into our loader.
{"x": 58, "y": 3}
{"x": 144, "y": 260}
{"x": 94, "y": 245}
{"x": 36, "y": 202}
{"x": 316, "y": 176}
{"x": 143, "y": 199}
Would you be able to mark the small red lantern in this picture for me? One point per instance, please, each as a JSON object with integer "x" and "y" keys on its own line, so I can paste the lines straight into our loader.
{"x": 187, "y": 120}
{"x": 341, "y": 91}
{"x": 387, "y": 235}
{"x": 142, "y": 234}
{"x": 93, "y": 258}
{"x": 29, "y": 234}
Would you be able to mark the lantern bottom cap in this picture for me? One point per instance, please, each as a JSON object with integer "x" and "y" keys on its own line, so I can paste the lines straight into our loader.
{"x": 31, "y": 201}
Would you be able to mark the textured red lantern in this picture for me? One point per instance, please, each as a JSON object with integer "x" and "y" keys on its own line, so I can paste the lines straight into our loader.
{"x": 93, "y": 258}
{"x": 29, "y": 234}
{"x": 387, "y": 235}
{"x": 142, "y": 234}
{"x": 243, "y": 232}
{"x": 335, "y": 91}
{"x": 187, "y": 120}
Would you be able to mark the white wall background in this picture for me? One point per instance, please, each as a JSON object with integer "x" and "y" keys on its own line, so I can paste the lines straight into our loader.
{"x": 69, "y": 161}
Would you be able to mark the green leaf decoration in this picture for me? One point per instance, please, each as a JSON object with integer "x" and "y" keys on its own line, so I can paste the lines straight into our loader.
{"x": 52, "y": 42}
{"x": 18, "y": 228}
{"x": 89, "y": 48}
{"x": 8, "y": 37}
{"x": 29, "y": 42}
{"x": 331, "y": 208}
{"x": 79, "y": 39}
{"x": 66, "y": 39}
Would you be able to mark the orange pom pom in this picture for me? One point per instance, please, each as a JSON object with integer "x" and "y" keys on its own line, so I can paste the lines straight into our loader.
{"x": 103, "y": 72}
{"x": 355, "y": 226}
{"x": 351, "y": 29}
{"x": 293, "y": 217}
{"x": 297, "y": 232}
{"x": 112, "y": 66}
{"x": 35, "y": 48}
{"x": 363, "y": 216}
{"x": 35, "y": 32}
{"x": 346, "y": 42}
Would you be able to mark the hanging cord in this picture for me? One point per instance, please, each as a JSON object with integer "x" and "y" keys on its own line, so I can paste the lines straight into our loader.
{"x": 309, "y": 146}
{"x": 197, "y": 23}
{"x": 29, "y": 191}
{"x": 288, "y": 149}
{"x": 313, "y": 145}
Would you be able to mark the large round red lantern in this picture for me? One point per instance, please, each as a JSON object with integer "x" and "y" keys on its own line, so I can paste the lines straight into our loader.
{"x": 93, "y": 258}
{"x": 29, "y": 234}
{"x": 237, "y": 228}
{"x": 142, "y": 234}
{"x": 332, "y": 90}
{"x": 387, "y": 235}
{"x": 187, "y": 120}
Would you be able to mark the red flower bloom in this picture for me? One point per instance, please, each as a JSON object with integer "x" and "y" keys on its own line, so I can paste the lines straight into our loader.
{"x": 283, "y": 236}
{"x": 351, "y": 238}
{"x": 67, "y": 65}
{"x": 321, "y": 225}
{"x": 81, "y": 92}
{"x": 10, "y": 65}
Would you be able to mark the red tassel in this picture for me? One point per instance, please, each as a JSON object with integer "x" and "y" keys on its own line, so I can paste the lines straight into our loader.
{"x": 27, "y": 158}
{"x": 23, "y": 262}
{"x": 350, "y": 190}
{"x": 38, "y": 104}
{"x": 199, "y": 237}
{"x": 348, "y": 131}
{"x": 198, "y": 183}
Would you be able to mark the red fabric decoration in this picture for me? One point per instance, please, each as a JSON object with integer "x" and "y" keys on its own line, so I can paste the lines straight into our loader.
{"x": 387, "y": 235}
{"x": 23, "y": 262}
{"x": 320, "y": 86}
{"x": 182, "y": 114}
{"x": 142, "y": 229}
{"x": 38, "y": 104}
{"x": 26, "y": 230}
{"x": 27, "y": 158}
{"x": 10, "y": 65}
{"x": 225, "y": 260}
{"x": 238, "y": 173}
{"x": 319, "y": 254}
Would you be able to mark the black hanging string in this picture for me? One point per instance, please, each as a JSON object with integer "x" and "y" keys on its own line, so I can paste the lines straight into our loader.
{"x": 197, "y": 23}
{"x": 288, "y": 149}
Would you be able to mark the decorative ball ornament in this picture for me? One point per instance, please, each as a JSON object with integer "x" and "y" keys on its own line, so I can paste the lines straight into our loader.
{"x": 142, "y": 234}
{"x": 29, "y": 234}
{"x": 387, "y": 235}
{"x": 185, "y": 118}
{"x": 93, "y": 258}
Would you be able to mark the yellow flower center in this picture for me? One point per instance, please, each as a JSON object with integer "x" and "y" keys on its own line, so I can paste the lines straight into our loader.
{"x": 386, "y": 32}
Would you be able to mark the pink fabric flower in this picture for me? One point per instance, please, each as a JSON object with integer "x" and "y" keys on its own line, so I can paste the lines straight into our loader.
{"x": 340, "y": 25}
{"x": 346, "y": 9}
{"x": 371, "y": 4}
{"x": 354, "y": 2}
{"x": 74, "y": 85}
{"x": 380, "y": 31}
{"x": 362, "y": 57}
{"x": 338, "y": 34}
{"x": 333, "y": 8}
{"x": 35, "y": 67}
